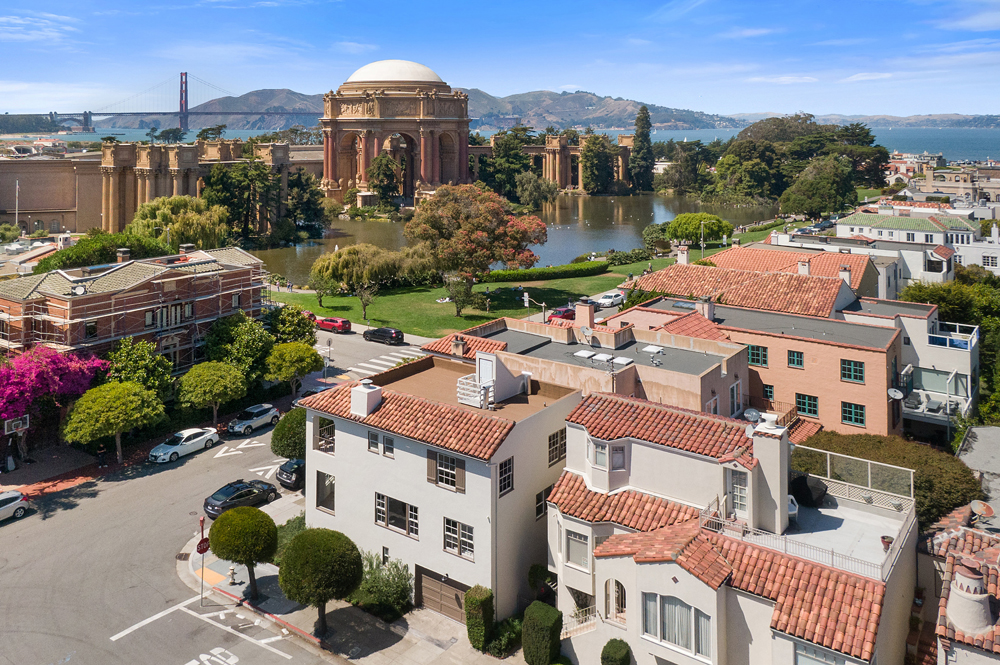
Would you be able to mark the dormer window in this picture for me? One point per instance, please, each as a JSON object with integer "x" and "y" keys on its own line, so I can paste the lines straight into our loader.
{"x": 617, "y": 458}
{"x": 601, "y": 455}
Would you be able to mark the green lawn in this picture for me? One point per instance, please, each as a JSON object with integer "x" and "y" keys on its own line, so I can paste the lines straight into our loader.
{"x": 757, "y": 236}
{"x": 870, "y": 193}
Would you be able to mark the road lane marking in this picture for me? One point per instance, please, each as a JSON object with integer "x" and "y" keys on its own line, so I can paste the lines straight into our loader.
{"x": 144, "y": 622}
{"x": 223, "y": 453}
{"x": 235, "y": 632}
{"x": 266, "y": 471}
{"x": 268, "y": 640}
{"x": 359, "y": 371}
{"x": 375, "y": 361}
{"x": 412, "y": 353}
{"x": 250, "y": 444}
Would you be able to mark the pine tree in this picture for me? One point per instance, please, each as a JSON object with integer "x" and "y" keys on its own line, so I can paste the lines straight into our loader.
{"x": 640, "y": 163}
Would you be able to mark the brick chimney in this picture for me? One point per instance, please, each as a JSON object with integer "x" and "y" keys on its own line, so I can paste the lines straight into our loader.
{"x": 845, "y": 273}
{"x": 585, "y": 314}
{"x": 804, "y": 267}
{"x": 186, "y": 248}
{"x": 365, "y": 398}
{"x": 683, "y": 255}
{"x": 458, "y": 346}
{"x": 123, "y": 254}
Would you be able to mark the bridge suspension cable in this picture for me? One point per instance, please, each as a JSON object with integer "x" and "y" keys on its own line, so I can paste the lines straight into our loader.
{"x": 144, "y": 95}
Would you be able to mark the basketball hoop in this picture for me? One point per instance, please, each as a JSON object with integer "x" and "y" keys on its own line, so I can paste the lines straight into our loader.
{"x": 16, "y": 425}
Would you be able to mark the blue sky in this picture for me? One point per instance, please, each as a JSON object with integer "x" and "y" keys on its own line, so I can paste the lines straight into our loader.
{"x": 901, "y": 57}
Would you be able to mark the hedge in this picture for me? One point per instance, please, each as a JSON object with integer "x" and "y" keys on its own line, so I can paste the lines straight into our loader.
{"x": 616, "y": 652}
{"x": 479, "y": 616}
{"x": 941, "y": 481}
{"x": 633, "y": 256}
{"x": 540, "y": 633}
{"x": 585, "y": 269}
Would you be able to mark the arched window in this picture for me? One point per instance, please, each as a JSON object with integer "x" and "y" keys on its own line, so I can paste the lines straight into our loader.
{"x": 614, "y": 600}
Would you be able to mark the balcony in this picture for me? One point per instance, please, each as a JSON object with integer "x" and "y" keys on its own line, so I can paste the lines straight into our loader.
{"x": 785, "y": 411}
{"x": 954, "y": 336}
{"x": 326, "y": 436}
{"x": 473, "y": 393}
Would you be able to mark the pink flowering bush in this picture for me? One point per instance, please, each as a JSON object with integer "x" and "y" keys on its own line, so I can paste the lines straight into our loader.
{"x": 42, "y": 372}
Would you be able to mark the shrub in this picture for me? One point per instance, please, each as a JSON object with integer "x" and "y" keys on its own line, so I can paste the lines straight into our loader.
{"x": 555, "y": 272}
{"x": 318, "y": 566}
{"x": 506, "y": 637}
{"x": 540, "y": 633}
{"x": 941, "y": 482}
{"x": 246, "y": 536}
{"x": 386, "y": 589}
{"x": 289, "y": 436}
{"x": 634, "y": 256}
{"x": 286, "y": 532}
{"x": 616, "y": 652}
{"x": 99, "y": 249}
{"x": 479, "y": 616}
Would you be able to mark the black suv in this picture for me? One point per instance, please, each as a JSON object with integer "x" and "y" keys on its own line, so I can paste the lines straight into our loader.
{"x": 384, "y": 335}
{"x": 292, "y": 474}
{"x": 240, "y": 493}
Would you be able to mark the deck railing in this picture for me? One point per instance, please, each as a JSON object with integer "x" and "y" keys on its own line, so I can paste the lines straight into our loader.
{"x": 582, "y": 620}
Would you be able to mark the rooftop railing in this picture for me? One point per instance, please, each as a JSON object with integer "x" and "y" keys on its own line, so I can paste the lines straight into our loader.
{"x": 954, "y": 336}
{"x": 786, "y": 411}
{"x": 856, "y": 479}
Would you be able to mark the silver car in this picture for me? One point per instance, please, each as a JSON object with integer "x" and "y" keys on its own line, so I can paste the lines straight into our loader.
{"x": 610, "y": 300}
{"x": 13, "y": 504}
{"x": 255, "y": 416}
{"x": 183, "y": 443}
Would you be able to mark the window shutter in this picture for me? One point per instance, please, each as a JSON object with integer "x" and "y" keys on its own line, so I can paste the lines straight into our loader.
{"x": 460, "y": 476}
{"x": 432, "y": 467}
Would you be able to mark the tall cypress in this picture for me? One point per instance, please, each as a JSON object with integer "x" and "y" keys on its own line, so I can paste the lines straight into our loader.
{"x": 640, "y": 163}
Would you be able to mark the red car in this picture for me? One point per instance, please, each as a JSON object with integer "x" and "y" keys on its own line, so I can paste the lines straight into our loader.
{"x": 567, "y": 313}
{"x": 334, "y": 324}
{"x": 309, "y": 315}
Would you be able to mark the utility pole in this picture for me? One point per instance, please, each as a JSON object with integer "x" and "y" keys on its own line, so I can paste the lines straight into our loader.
{"x": 703, "y": 239}
{"x": 17, "y": 200}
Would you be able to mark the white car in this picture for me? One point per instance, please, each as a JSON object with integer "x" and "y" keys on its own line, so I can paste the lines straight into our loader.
{"x": 610, "y": 300}
{"x": 183, "y": 443}
{"x": 247, "y": 421}
{"x": 13, "y": 504}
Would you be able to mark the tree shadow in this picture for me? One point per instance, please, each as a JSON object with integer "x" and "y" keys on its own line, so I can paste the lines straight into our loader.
{"x": 353, "y": 633}
{"x": 51, "y": 503}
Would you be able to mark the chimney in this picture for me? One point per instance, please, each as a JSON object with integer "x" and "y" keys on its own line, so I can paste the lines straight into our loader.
{"x": 683, "y": 257}
{"x": 706, "y": 307}
{"x": 584, "y": 314}
{"x": 968, "y": 606}
{"x": 770, "y": 488}
{"x": 123, "y": 254}
{"x": 186, "y": 248}
{"x": 458, "y": 346}
{"x": 845, "y": 273}
{"x": 804, "y": 267}
{"x": 365, "y": 398}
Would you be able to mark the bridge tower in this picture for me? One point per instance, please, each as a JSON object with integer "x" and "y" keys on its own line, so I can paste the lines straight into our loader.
{"x": 184, "y": 102}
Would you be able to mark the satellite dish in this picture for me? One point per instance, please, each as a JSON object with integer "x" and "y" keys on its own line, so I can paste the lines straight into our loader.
{"x": 982, "y": 509}
{"x": 587, "y": 332}
{"x": 753, "y": 415}
{"x": 895, "y": 393}
{"x": 749, "y": 431}
{"x": 79, "y": 290}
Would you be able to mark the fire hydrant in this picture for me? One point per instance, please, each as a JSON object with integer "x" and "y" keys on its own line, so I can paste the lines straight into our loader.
{"x": 232, "y": 575}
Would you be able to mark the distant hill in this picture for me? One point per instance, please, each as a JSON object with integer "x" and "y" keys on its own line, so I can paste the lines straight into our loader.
{"x": 885, "y": 121}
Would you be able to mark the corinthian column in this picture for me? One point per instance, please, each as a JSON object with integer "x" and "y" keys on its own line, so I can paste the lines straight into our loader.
{"x": 425, "y": 158}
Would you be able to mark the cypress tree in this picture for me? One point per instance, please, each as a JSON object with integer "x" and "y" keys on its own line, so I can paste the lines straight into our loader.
{"x": 640, "y": 163}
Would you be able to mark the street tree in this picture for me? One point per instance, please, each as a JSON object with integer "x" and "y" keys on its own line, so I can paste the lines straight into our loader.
{"x": 136, "y": 360}
{"x": 213, "y": 133}
{"x": 242, "y": 342}
{"x": 247, "y": 536}
{"x": 533, "y": 191}
{"x": 827, "y": 185}
{"x": 382, "y": 180}
{"x": 688, "y": 226}
{"x": 172, "y": 135}
{"x": 597, "y": 158}
{"x": 501, "y": 170}
{"x": 109, "y": 139}
{"x": 304, "y": 205}
{"x": 292, "y": 362}
{"x": 153, "y": 134}
{"x": 289, "y": 324}
{"x": 9, "y": 233}
{"x": 110, "y": 410}
{"x": 211, "y": 384}
{"x": 641, "y": 161}
{"x": 288, "y": 439}
{"x": 363, "y": 269}
{"x": 318, "y": 566}
{"x": 467, "y": 230}
{"x": 459, "y": 291}
{"x": 323, "y": 285}
{"x": 184, "y": 219}
{"x": 248, "y": 190}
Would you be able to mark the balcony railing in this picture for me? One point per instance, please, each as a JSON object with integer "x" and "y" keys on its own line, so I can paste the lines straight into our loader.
{"x": 473, "y": 393}
{"x": 786, "y": 412}
{"x": 582, "y": 620}
{"x": 954, "y": 336}
{"x": 856, "y": 479}
{"x": 327, "y": 436}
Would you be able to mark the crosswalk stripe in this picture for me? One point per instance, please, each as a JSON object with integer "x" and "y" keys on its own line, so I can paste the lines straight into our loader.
{"x": 412, "y": 354}
{"x": 375, "y": 367}
{"x": 382, "y": 363}
{"x": 359, "y": 371}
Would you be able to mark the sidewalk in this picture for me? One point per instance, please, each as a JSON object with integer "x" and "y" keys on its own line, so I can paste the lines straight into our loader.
{"x": 422, "y": 637}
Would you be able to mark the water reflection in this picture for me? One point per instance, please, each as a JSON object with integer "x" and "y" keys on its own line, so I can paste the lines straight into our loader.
{"x": 577, "y": 225}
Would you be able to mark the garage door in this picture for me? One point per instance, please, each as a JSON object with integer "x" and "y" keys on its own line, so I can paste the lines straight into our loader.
{"x": 441, "y": 594}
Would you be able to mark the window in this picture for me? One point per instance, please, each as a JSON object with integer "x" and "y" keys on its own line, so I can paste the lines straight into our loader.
{"x": 373, "y": 442}
{"x": 326, "y": 435}
{"x": 795, "y": 359}
{"x": 880, "y": 233}
{"x": 989, "y": 261}
{"x": 541, "y": 502}
{"x": 712, "y": 406}
{"x": 928, "y": 237}
{"x": 54, "y": 226}
{"x": 807, "y": 405}
{"x": 458, "y": 538}
{"x": 852, "y": 370}
{"x": 906, "y": 341}
{"x": 446, "y": 470}
{"x": 649, "y": 602}
{"x": 702, "y": 634}
{"x": 325, "y": 495}
{"x": 617, "y": 458}
{"x": 738, "y": 484}
{"x": 506, "y": 483}
{"x": 236, "y": 301}
{"x": 388, "y": 446}
{"x": 385, "y": 555}
{"x": 396, "y": 515}
{"x": 90, "y": 329}
{"x": 768, "y": 391}
{"x": 758, "y": 355}
{"x": 188, "y": 310}
{"x": 601, "y": 455}
{"x": 735, "y": 398}
{"x": 577, "y": 549}
{"x": 149, "y": 319}
{"x": 911, "y": 237}
{"x": 852, "y": 414}
{"x": 557, "y": 446}
{"x": 675, "y": 622}
{"x": 669, "y": 619}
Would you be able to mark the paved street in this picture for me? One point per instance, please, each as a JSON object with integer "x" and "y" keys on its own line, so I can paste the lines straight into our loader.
{"x": 90, "y": 575}
{"x": 354, "y": 358}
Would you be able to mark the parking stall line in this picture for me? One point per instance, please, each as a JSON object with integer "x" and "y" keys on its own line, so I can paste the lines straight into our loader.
{"x": 144, "y": 622}
{"x": 236, "y": 632}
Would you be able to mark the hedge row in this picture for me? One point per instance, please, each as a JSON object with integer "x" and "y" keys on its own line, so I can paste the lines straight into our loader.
{"x": 540, "y": 633}
{"x": 479, "y": 616}
{"x": 584, "y": 269}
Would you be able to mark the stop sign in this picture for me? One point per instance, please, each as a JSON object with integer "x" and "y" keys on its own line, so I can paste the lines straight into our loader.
{"x": 202, "y": 545}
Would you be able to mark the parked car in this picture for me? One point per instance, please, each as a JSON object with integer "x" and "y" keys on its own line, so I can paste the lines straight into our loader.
{"x": 334, "y": 324}
{"x": 384, "y": 335}
{"x": 292, "y": 474}
{"x": 610, "y": 299}
{"x": 309, "y": 315}
{"x": 566, "y": 313}
{"x": 260, "y": 415}
{"x": 183, "y": 443}
{"x": 13, "y": 504}
{"x": 240, "y": 493}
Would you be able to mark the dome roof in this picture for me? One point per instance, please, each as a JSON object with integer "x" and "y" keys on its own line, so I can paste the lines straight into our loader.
{"x": 394, "y": 70}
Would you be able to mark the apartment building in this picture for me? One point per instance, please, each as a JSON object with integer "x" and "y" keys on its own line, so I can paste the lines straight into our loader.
{"x": 444, "y": 466}
{"x": 171, "y": 301}
{"x": 716, "y": 561}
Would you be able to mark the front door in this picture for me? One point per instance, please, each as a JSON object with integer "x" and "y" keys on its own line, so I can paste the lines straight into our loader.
{"x": 738, "y": 493}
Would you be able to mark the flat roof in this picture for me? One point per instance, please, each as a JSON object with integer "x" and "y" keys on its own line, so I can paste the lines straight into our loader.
{"x": 845, "y": 530}
{"x": 889, "y": 307}
{"x": 517, "y": 342}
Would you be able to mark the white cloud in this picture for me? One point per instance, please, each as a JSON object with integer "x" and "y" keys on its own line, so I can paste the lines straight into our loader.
{"x": 853, "y": 41}
{"x": 355, "y": 47}
{"x": 866, "y": 76}
{"x": 745, "y": 33}
{"x": 46, "y": 27}
{"x": 635, "y": 41}
{"x": 974, "y": 15}
{"x": 675, "y": 9}
{"x": 783, "y": 80}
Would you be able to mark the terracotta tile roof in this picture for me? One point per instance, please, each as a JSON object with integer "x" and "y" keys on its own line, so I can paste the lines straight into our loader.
{"x": 944, "y": 252}
{"x": 810, "y": 295}
{"x": 695, "y": 325}
{"x": 822, "y": 264}
{"x": 767, "y": 240}
{"x": 629, "y": 508}
{"x": 801, "y": 429}
{"x": 865, "y": 238}
{"x": 472, "y": 345}
{"x": 961, "y": 541}
{"x": 915, "y": 204}
{"x": 684, "y": 544}
{"x": 813, "y": 602}
{"x": 989, "y": 640}
{"x": 444, "y": 425}
{"x": 609, "y": 417}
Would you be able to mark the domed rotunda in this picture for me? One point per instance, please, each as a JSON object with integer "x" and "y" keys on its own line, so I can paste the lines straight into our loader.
{"x": 400, "y": 108}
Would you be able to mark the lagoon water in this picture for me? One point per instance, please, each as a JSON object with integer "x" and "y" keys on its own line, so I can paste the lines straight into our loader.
{"x": 576, "y": 225}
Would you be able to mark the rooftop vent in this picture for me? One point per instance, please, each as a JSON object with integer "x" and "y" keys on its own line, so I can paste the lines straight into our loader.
{"x": 968, "y": 603}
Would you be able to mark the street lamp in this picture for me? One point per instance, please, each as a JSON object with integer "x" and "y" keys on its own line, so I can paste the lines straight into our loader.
{"x": 163, "y": 228}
